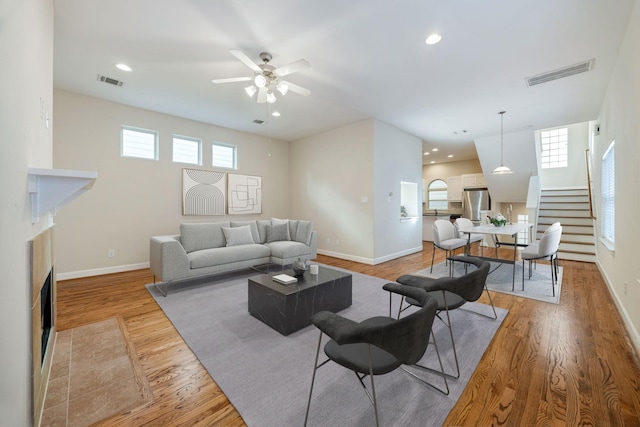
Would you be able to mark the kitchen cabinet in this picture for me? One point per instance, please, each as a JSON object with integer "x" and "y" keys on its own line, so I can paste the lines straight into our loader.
{"x": 454, "y": 189}
{"x": 474, "y": 180}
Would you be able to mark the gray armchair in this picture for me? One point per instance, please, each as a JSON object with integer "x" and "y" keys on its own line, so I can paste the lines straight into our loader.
{"x": 451, "y": 292}
{"x": 377, "y": 345}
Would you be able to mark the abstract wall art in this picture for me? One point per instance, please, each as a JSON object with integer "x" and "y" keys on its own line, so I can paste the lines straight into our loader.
{"x": 203, "y": 192}
{"x": 244, "y": 194}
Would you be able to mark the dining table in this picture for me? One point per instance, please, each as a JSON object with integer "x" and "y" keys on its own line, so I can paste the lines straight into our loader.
{"x": 493, "y": 230}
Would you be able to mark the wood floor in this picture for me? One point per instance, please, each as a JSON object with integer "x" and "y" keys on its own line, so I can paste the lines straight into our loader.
{"x": 570, "y": 364}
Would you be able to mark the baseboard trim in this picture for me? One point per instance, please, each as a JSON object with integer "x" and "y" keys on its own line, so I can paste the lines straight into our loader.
{"x": 101, "y": 271}
{"x": 370, "y": 261}
{"x": 631, "y": 329}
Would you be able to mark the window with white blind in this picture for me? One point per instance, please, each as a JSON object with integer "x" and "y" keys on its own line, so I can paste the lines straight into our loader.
{"x": 607, "y": 197}
{"x": 224, "y": 155}
{"x": 187, "y": 150}
{"x": 437, "y": 195}
{"x": 523, "y": 236}
{"x": 555, "y": 148}
{"x": 140, "y": 143}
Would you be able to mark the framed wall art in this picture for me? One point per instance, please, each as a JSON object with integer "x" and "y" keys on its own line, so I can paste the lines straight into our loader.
{"x": 203, "y": 192}
{"x": 244, "y": 194}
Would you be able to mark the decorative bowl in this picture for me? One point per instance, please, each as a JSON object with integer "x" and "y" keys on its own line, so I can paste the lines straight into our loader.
{"x": 299, "y": 267}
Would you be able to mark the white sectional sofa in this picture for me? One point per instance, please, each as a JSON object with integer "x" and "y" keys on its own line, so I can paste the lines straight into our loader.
{"x": 203, "y": 249}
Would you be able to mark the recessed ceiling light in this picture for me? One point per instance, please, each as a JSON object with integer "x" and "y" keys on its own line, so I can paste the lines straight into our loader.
{"x": 433, "y": 39}
{"x": 433, "y": 161}
{"x": 123, "y": 67}
{"x": 426, "y": 153}
{"x": 450, "y": 155}
{"x": 275, "y": 114}
{"x": 434, "y": 149}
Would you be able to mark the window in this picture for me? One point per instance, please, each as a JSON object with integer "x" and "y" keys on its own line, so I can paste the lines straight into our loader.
{"x": 523, "y": 236}
{"x": 224, "y": 155}
{"x": 187, "y": 150}
{"x": 554, "y": 148}
{"x": 607, "y": 196}
{"x": 437, "y": 195}
{"x": 140, "y": 143}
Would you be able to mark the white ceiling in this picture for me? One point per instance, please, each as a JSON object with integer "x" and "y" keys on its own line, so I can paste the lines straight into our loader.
{"x": 368, "y": 60}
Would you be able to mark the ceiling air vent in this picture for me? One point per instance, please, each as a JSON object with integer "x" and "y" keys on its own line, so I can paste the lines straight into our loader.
{"x": 258, "y": 122}
{"x": 560, "y": 73}
{"x": 110, "y": 81}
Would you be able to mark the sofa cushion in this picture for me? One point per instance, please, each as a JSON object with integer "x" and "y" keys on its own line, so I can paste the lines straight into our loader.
{"x": 293, "y": 228}
{"x": 303, "y": 234}
{"x": 195, "y": 237}
{"x": 278, "y": 232}
{"x": 236, "y": 236}
{"x": 254, "y": 228}
{"x": 227, "y": 255}
{"x": 262, "y": 229}
{"x": 284, "y": 249}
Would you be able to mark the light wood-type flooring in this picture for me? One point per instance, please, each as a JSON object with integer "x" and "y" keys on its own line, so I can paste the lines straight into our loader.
{"x": 570, "y": 364}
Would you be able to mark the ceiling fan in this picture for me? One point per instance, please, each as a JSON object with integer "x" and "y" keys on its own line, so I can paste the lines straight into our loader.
{"x": 267, "y": 78}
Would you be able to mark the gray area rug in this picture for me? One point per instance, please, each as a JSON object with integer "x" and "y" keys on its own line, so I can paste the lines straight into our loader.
{"x": 267, "y": 376}
{"x": 501, "y": 277}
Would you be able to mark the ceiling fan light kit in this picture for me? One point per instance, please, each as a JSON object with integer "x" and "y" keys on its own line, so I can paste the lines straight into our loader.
{"x": 502, "y": 169}
{"x": 267, "y": 78}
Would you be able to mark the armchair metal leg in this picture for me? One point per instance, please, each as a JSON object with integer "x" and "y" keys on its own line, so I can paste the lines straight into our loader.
{"x": 313, "y": 378}
{"x": 444, "y": 391}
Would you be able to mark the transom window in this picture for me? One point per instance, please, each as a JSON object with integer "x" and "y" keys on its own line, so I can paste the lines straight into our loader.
{"x": 437, "y": 195}
{"x": 608, "y": 199}
{"x": 187, "y": 150}
{"x": 555, "y": 151}
{"x": 140, "y": 143}
{"x": 224, "y": 155}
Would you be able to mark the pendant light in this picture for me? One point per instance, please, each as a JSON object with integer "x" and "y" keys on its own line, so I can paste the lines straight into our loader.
{"x": 502, "y": 169}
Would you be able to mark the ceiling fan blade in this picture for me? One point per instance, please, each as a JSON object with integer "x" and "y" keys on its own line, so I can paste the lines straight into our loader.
{"x": 298, "y": 89}
{"x": 245, "y": 59}
{"x": 298, "y": 65}
{"x": 232, "y": 80}
{"x": 262, "y": 95}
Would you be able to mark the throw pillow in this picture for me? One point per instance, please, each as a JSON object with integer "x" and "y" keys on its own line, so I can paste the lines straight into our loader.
{"x": 278, "y": 232}
{"x": 254, "y": 229}
{"x": 303, "y": 234}
{"x": 238, "y": 235}
{"x": 278, "y": 221}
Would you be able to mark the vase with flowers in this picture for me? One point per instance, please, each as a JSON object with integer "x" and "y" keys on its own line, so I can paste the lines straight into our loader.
{"x": 498, "y": 220}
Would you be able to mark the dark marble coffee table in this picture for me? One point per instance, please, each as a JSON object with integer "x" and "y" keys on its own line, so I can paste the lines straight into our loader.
{"x": 288, "y": 308}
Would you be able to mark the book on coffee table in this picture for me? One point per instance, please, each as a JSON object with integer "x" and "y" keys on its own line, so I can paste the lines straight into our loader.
{"x": 285, "y": 279}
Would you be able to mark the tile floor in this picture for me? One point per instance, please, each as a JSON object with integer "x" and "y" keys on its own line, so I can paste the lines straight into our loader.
{"x": 92, "y": 376}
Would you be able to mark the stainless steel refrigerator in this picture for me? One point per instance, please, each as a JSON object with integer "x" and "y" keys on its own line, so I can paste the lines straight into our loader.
{"x": 475, "y": 200}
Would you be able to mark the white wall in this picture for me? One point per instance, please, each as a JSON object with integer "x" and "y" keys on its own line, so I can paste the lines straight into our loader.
{"x": 330, "y": 174}
{"x": 26, "y": 49}
{"x": 519, "y": 155}
{"x": 575, "y": 174}
{"x": 445, "y": 170}
{"x": 134, "y": 199}
{"x": 618, "y": 120}
{"x": 396, "y": 158}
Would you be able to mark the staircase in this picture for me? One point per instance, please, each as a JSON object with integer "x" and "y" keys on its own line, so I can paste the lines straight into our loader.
{"x": 571, "y": 208}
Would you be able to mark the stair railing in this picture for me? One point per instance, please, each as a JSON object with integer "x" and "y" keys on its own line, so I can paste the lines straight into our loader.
{"x": 586, "y": 153}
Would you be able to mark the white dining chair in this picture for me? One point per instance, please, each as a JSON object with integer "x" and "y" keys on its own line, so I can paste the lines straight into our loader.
{"x": 547, "y": 247}
{"x": 465, "y": 223}
{"x": 445, "y": 237}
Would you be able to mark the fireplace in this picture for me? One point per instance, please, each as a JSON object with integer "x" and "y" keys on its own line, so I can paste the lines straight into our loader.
{"x": 46, "y": 314}
{"x": 43, "y": 316}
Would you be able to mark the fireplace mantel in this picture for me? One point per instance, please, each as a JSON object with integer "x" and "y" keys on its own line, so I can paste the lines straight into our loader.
{"x": 50, "y": 189}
